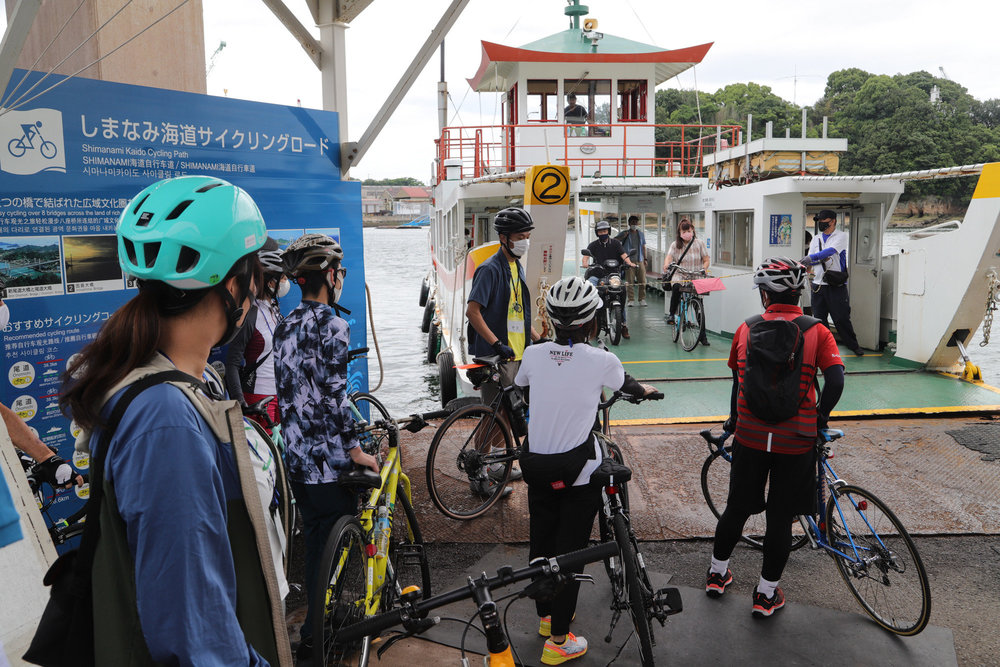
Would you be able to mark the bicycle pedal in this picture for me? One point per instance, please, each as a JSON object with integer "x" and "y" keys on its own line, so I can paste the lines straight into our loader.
{"x": 667, "y": 601}
{"x": 410, "y": 554}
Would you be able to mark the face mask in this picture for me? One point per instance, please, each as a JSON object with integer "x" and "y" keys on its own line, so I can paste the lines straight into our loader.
{"x": 4, "y": 316}
{"x": 687, "y": 236}
{"x": 519, "y": 248}
{"x": 337, "y": 291}
{"x": 603, "y": 238}
{"x": 633, "y": 227}
{"x": 825, "y": 226}
{"x": 283, "y": 287}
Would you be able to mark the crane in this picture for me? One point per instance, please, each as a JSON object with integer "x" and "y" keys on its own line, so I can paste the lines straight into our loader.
{"x": 215, "y": 54}
{"x": 943, "y": 74}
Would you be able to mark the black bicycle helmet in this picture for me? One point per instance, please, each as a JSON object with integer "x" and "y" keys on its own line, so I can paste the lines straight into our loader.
{"x": 311, "y": 252}
{"x": 513, "y": 220}
{"x": 572, "y": 302}
{"x": 780, "y": 274}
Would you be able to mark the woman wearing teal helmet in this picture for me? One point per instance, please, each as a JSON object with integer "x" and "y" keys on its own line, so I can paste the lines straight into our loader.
{"x": 182, "y": 571}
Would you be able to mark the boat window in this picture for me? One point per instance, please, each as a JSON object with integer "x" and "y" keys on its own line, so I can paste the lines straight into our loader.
{"x": 734, "y": 238}
{"x": 867, "y": 228}
{"x": 588, "y": 102}
{"x": 542, "y": 100}
{"x": 631, "y": 101}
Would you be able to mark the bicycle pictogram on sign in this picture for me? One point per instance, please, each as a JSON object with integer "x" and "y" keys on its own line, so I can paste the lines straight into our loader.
{"x": 18, "y": 146}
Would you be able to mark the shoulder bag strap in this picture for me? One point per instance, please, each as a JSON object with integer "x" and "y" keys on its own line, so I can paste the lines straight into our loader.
{"x": 679, "y": 260}
{"x": 92, "y": 528}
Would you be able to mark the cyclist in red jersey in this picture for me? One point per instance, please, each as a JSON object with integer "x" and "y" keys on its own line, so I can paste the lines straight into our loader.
{"x": 783, "y": 451}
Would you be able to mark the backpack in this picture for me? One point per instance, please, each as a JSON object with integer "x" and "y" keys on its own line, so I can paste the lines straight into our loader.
{"x": 772, "y": 375}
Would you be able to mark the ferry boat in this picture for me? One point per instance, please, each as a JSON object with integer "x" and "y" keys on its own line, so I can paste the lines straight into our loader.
{"x": 749, "y": 198}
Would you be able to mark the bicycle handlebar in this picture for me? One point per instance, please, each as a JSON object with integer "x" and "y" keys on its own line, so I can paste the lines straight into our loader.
{"x": 619, "y": 395}
{"x": 505, "y": 576}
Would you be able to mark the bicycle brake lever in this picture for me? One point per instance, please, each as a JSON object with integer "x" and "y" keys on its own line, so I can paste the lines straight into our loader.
{"x": 584, "y": 578}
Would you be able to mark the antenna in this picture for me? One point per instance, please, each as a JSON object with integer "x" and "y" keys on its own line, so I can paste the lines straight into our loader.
{"x": 944, "y": 75}
{"x": 211, "y": 60}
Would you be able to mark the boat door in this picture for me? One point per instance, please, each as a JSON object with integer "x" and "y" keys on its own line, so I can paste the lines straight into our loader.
{"x": 865, "y": 266}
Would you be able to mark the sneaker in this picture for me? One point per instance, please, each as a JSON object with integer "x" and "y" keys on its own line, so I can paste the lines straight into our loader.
{"x": 858, "y": 351}
{"x": 625, "y": 333}
{"x": 630, "y": 304}
{"x": 495, "y": 473}
{"x": 670, "y": 319}
{"x": 716, "y": 583}
{"x": 763, "y": 606}
{"x": 704, "y": 341}
{"x": 557, "y": 654}
{"x": 545, "y": 625}
{"x": 642, "y": 302}
{"x": 484, "y": 488}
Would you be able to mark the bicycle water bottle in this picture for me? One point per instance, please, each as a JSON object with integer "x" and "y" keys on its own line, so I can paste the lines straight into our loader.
{"x": 382, "y": 532}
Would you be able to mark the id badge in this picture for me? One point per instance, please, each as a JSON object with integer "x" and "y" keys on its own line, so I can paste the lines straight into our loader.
{"x": 515, "y": 326}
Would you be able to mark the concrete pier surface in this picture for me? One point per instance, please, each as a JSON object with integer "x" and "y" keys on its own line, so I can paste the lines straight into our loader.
{"x": 940, "y": 476}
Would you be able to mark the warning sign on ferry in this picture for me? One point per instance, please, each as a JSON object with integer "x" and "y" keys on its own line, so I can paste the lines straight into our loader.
{"x": 547, "y": 184}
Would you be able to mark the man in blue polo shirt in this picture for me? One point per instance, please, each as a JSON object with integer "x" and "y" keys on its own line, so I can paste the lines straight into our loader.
{"x": 499, "y": 309}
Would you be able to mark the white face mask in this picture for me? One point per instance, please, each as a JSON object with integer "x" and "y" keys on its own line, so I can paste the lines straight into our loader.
{"x": 337, "y": 291}
{"x": 519, "y": 248}
{"x": 283, "y": 287}
{"x": 4, "y": 316}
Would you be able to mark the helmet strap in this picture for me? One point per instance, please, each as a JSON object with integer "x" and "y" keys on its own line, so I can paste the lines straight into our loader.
{"x": 233, "y": 308}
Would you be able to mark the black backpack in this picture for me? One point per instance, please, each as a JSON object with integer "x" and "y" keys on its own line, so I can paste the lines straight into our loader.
{"x": 772, "y": 376}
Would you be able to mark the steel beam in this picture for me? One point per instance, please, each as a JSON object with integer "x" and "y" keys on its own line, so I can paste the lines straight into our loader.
{"x": 353, "y": 156}
{"x": 299, "y": 31}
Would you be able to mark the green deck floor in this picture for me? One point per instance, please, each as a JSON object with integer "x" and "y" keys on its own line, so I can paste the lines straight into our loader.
{"x": 697, "y": 384}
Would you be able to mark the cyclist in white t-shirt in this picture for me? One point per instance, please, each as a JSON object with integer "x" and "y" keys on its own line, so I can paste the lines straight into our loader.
{"x": 566, "y": 378}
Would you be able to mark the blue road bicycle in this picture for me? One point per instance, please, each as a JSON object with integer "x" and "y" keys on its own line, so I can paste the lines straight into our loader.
{"x": 874, "y": 553}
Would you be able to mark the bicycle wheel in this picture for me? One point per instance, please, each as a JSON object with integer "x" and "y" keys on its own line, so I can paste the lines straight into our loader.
{"x": 679, "y": 318}
{"x": 638, "y": 595}
{"x": 407, "y": 558}
{"x": 692, "y": 325}
{"x": 615, "y": 324}
{"x": 370, "y": 410}
{"x": 16, "y": 147}
{"x": 715, "y": 486}
{"x": 339, "y": 596}
{"x": 469, "y": 461}
{"x": 887, "y": 576}
{"x": 622, "y": 487}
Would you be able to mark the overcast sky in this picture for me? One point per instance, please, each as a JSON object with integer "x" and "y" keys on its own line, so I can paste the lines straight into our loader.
{"x": 789, "y": 46}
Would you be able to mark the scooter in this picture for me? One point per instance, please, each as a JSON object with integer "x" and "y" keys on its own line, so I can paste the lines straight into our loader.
{"x": 611, "y": 288}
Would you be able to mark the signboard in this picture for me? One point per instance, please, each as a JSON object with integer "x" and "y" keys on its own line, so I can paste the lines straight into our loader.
{"x": 547, "y": 184}
{"x": 70, "y": 160}
{"x": 780, "y": 231}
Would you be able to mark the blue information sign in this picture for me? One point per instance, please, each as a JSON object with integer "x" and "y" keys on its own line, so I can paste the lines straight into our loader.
{"x": 71, "y": 159}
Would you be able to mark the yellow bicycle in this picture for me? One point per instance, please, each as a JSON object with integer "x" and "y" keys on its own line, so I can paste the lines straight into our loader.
{"x": 368, "y": 560}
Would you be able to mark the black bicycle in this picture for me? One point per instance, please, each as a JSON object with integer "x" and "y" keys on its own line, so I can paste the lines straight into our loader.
{"x": 546, "y": 576}
{"x": 471, "y": 455}
{"x": 60, "y": 530}
{"x": 689, "y": 322}
{"x": 631, "y": 589}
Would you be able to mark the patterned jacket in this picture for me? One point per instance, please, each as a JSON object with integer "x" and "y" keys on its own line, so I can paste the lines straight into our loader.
{"x": 310, "y": 367}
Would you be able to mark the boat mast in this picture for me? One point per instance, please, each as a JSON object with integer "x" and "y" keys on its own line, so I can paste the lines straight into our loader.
{"x": 442, "y": 97}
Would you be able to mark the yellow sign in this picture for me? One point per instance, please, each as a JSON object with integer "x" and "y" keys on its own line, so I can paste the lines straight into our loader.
{"x": 547, "y": 184}
{"x": 989, "y": 182}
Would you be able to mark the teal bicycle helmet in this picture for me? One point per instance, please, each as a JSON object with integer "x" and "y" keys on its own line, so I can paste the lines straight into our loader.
{"x": 188, "y": 231}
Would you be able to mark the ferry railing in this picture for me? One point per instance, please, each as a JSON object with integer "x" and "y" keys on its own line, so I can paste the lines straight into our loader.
{"x": 605, "y": 149}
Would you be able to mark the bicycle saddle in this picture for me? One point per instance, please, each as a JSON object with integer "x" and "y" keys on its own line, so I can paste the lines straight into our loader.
{"x": 490, "y": 360}
{"x": 610, "y": 468}
{"x": 363, "y": 477}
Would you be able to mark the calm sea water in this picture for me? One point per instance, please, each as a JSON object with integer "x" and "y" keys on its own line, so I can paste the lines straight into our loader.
{"x": 396, "y": 261}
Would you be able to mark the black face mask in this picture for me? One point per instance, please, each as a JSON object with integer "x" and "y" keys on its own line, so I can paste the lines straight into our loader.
{"x": 234, "y": 311}
{"x": 825, "y": 225}
{"x": 603, "y": 238}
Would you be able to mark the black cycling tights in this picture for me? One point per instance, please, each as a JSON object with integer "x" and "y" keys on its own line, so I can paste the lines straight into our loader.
{"x": 777, "y": 539}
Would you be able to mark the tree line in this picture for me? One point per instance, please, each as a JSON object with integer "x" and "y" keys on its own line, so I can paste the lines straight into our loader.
{"x": 892, "y": 123}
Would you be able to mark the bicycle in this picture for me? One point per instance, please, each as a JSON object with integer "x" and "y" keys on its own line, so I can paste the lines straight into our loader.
{"x": 631, "y": 588}
{"x": 689, "y": 322}
{"x": 366, "y": 558}
{"x": 874, "y": 553}
{"x": 471, "y": 455}
{"x": 546, "y": 578}
{"x": 60, "y": 530}
{"x": 18, "y": 146}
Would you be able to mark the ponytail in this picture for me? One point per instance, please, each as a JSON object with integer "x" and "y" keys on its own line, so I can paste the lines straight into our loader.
{"x": 127, "y": 341}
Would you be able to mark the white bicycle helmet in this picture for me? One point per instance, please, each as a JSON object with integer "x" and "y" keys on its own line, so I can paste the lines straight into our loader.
{"x": 780, "y": 274}
{"x": 270, "y": 257}
{"x": 572, "y": 302}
